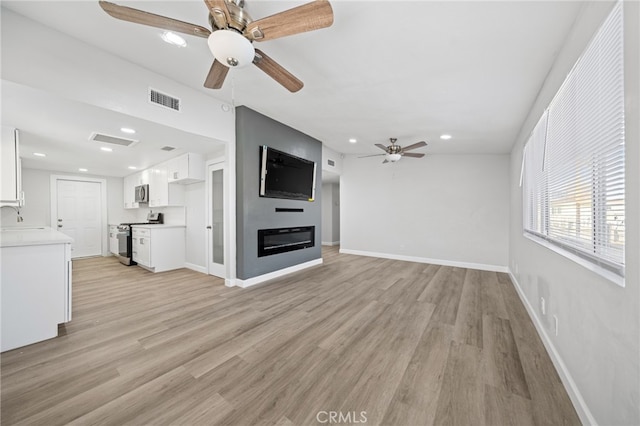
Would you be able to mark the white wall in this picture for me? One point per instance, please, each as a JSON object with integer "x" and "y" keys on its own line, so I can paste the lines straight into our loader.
{"x": 441, "y": 209}
{"x": 329, "y": 154}
{"x": 597, "y": 350}
{"x": 37, "y": 192}
{"x": 37, "y": 209}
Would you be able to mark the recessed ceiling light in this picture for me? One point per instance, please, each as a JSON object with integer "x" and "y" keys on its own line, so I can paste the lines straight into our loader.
{"x": 173, "y": 38}
{"x": 353, "y": 140}
{"x": 82, "y": 170}
{"x": 445, "y": 137}
{"x": 133, "y": 168}
{"x": 39, "y": 154}
{"x": 127, "y": 130}
{"x": 106, "y": 149}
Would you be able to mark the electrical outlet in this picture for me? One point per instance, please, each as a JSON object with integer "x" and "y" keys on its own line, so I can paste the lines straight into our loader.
{"x": 555, "y": 322}
{"x": 543, "y": 306}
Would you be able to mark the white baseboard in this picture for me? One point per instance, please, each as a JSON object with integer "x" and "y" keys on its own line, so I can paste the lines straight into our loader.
{"x": 479, "y": 266}
{"x": 276, "y": 274}
{"x": 331, "y": 243}
{"x": 567, "y": 380}
{"x": 197, "y": 268}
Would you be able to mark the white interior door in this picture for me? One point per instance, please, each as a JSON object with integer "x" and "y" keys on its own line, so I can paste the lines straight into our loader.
{"x": 79, "y": 215}
{"x": 215, "y": 220}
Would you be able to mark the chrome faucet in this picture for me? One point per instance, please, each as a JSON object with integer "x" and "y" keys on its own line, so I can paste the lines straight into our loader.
{"x": 17, "y": 209}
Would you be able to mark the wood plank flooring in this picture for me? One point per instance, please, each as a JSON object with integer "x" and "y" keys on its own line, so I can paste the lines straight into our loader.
{"x": 405, "y": 343}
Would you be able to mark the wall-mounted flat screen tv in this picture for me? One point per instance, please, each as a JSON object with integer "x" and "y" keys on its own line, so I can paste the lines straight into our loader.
{"x": 286, "y": 176}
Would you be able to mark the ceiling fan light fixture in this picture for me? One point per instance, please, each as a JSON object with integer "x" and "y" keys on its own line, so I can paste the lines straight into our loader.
{"x": 231, "y": 48}
{"x": 394, "y": 157}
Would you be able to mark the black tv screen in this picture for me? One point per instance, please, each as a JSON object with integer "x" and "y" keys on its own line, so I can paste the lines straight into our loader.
{"x": 286, "y": 176}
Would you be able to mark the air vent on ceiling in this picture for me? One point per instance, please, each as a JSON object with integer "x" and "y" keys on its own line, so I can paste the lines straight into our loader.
{"x": 331, "y": 162}
{"x": 164, "y": 100}
{"x": 115, "y": 140}
{"x": 167, "y": 148}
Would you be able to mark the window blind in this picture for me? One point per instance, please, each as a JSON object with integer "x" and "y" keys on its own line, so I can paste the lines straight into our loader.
{"x": 573, "y": 185}
{"x": 534, "y": 180}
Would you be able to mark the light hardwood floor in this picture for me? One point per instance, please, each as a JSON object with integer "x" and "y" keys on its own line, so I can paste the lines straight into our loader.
{"x": 407, "y": 343}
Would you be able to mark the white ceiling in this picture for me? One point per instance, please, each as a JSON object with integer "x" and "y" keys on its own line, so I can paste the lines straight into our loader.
{"x": 61, "y": 128}
{"x": 411, "y": 70}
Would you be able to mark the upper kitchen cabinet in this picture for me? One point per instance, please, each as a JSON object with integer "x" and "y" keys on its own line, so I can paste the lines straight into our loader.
{"x": 186, "y": 169}
{"x": 11, "y": 186}
{"x": 160, "y": 192}
{"x": 129, "y": 192}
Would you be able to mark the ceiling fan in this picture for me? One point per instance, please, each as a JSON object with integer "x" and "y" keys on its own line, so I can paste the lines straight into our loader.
{"x": 233, "y": 32}
{"x": 395, "y": 152}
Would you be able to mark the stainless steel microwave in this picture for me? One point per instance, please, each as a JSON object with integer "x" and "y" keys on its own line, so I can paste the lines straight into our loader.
{"x": 142, "y": 193}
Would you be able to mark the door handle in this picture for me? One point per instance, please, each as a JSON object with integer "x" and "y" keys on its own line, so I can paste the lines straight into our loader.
{"x": 59, "y": 220}
{"x": 209, "y": 227}
{"x": 59, "y": 226}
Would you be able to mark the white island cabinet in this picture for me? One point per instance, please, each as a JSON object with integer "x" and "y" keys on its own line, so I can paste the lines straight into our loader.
{"x": 35, "y": 285}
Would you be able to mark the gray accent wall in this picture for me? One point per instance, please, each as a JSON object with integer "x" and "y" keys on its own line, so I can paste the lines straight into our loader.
{"x": 254, "y": 212}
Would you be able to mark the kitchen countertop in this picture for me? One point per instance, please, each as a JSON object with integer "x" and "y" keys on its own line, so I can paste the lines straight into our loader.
{"x": 31, "y": 236}
{"x": 156, "y": 226}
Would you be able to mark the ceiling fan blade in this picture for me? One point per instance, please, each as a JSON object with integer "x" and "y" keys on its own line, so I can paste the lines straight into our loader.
{"x": 277, "y": 72}
{"x": 308, "y": 17}
{"x": 216, "y": 75}
{"x": 412, "y": 154}
{"x": 374, "y": 155}
{"x": 382, "y": 147}
{"x": 414, "y": 146}
{"x": 219, "y": 12}
{"x": 145, "y": 18}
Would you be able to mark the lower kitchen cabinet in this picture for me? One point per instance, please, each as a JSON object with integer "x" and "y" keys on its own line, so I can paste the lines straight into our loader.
{"x": 158, "y": 247}
{"x": 35, "y": 283}
{"x": 113, "y": 239}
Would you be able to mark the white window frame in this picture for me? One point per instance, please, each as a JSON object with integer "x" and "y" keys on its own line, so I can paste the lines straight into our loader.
{"x": 537, "y": 183}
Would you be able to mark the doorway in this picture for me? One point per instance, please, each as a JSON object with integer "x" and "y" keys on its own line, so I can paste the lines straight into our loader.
{"x": 78, "y": 209}
{"x": 330, "y": 210}
{"x": 215, "y": 219}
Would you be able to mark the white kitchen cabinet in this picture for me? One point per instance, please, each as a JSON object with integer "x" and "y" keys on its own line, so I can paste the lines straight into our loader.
{"x": 129, "y": 192}
{"x": 11, "y": 186}
{"x": 35, "y": 282}
{"x": 113, "y": 239}
{"x": 159, "y": 247}
{"x": 162, "y": 194}
{"x": 141, "y": 246}
{"x": 142, "y": 178}
{"x": 187, "y": 168}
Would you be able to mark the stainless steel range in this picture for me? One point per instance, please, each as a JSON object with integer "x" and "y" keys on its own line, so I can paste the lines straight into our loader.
{"x": 125, "y": 242}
